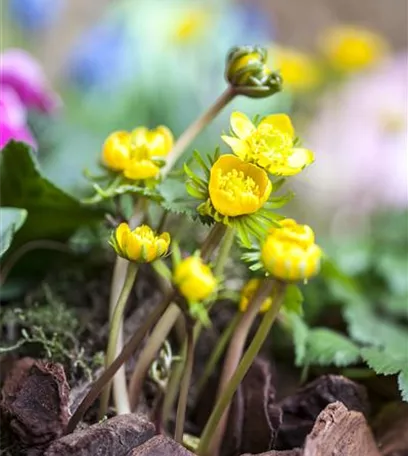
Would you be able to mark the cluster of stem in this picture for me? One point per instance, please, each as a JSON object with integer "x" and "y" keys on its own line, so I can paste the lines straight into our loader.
{"x": 162, "y": 320}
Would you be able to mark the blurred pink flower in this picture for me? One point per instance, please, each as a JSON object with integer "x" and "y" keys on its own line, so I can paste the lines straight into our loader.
{"x": 23, "y": 86}
{"x": 359, "y": 138}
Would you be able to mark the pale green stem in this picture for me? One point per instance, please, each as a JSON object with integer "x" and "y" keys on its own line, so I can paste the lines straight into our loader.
{"x": 185, "y": 385}
{"x": 213, "y": 432}
{"x": 149, "y": 352}
{"x": 217, "y": 352}
{"x": 115, "y": 331}
{"x": 174, "y": 384}
{"x": 223, "y": 254}
{"x": 195, "y": 128}
{"x": 128, "y": 349}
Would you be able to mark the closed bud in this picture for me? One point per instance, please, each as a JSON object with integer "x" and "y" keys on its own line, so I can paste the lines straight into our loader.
{"x": 248, "y": 74}
{"x": 140, "y": 245}
{"x": 194, "y": 279}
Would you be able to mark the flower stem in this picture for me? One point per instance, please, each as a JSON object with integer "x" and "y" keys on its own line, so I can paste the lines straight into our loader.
{"x": 115, "y": 329}
{"x": 127, "y": 351}
{"x": 224, "y": 251}
{"x": 185, "y": 385}
{"x": 213, "y": 432}
{"x": 149, "y": 352}
{"x": 217, "y": 352}
{"x": 212, "y": 241}
{"x": 173, "y": 384}
{"x": 195, "y": 128}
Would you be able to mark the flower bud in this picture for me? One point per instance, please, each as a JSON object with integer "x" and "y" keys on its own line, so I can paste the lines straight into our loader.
{"x": 289, "y": 252}
{"x": 194, "y": 279}
{"x": 247, "y": 293}
{"x": 140, "y": 245}
{"x": 248, "y": 74}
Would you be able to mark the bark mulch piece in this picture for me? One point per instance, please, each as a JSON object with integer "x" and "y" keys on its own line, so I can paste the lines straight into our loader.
{"x": 340, "y": 432}
{"x": 160, "y": 446}
{"x": 254, "y": 418}
{"x": 391, "y": 429}
{"x": 301, "y": 409}
{"x": 116, "y": 436}
{"x": 34, "y": 402}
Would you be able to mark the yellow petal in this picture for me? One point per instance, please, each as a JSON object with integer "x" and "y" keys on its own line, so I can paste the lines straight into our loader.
{"x": 122, "y": 231}
{"x": 240, "y": 148}
{"x": 241, "y": 126}
{"x": 139, "y": 136}
{"x": 133, "y": 248}
{"x": 281, "y": 122}
{"x": 300, "y": 158}
{"x": 143, "y": 169}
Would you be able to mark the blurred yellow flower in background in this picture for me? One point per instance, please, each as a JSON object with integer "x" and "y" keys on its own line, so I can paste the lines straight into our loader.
{"x": 300, "y": 71}
{"x": 350, "y": 48}
{"x": 191, "y": 25}
{"x": 247, "y": 293}
{"x": 236, "y": 187}
{"x": 270, "y": 145}
{"x": 194, "y": 279}
{"x": 290, "y": 253}
{"x": 141, "y": 245}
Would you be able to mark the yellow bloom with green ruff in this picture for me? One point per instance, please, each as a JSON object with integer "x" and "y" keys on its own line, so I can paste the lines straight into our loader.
{"x": 140, "y": 245}
{"x": 270, "y": 145}
{"x": 289, "y": 252}
{"x": 236, "y": 187}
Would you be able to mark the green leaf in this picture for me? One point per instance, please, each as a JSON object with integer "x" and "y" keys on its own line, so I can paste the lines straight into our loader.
{"x": 385, "y": 362}
{"x": 51, "y": 213}
{"x": 300, "y": 333}
{"x": 366, "y": 327}
{"x": 326, "y": 347}
{"x": 11, "y": 220}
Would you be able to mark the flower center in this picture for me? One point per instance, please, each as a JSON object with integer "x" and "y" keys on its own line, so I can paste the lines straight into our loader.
{"x": 269, "y": 142}
{"x": 236, "y": 182}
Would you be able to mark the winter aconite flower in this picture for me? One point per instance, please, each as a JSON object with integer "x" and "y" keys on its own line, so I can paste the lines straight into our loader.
{"x": 194, "y": 279}
{"x": 138, "y": 154}
{"x": 116, "y": 150}
{"x": 247, "y": 293}
{"x": 270, "y": 145}
{"x": 140, "y": 245}
{"x": 290, "y": 253}
{"x": 350, "y": 49}
{"x": 236, "y": 187}
{"x": 299, "y": 71}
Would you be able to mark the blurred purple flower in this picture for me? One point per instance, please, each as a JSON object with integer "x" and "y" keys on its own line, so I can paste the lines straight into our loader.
{"x": 360, "y": 142}
{"x": 100, "y": 60}
{"x": 35, "y": 15}
{"x": 23, "y": 86}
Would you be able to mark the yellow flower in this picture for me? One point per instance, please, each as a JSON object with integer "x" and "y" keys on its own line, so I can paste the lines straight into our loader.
{"x": 141, "y": 169}
{"x": 194, "y": 279}
{"x": 236, "y": 71}
{"x": 299, "y": 71}
{"x": 192, "y": 25}
{"x": 270, "y": 145}
{"x": 140, "y": 245}
{"x": 290, "y": 253}
{"x": 146, "y": 145}
{"x": 350, "y": 48}
{"x": 157, "y": 142}
{"x": 116, "y": 150}
{"x": 236, "y": 187}
{"x": 247, "y": 294}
